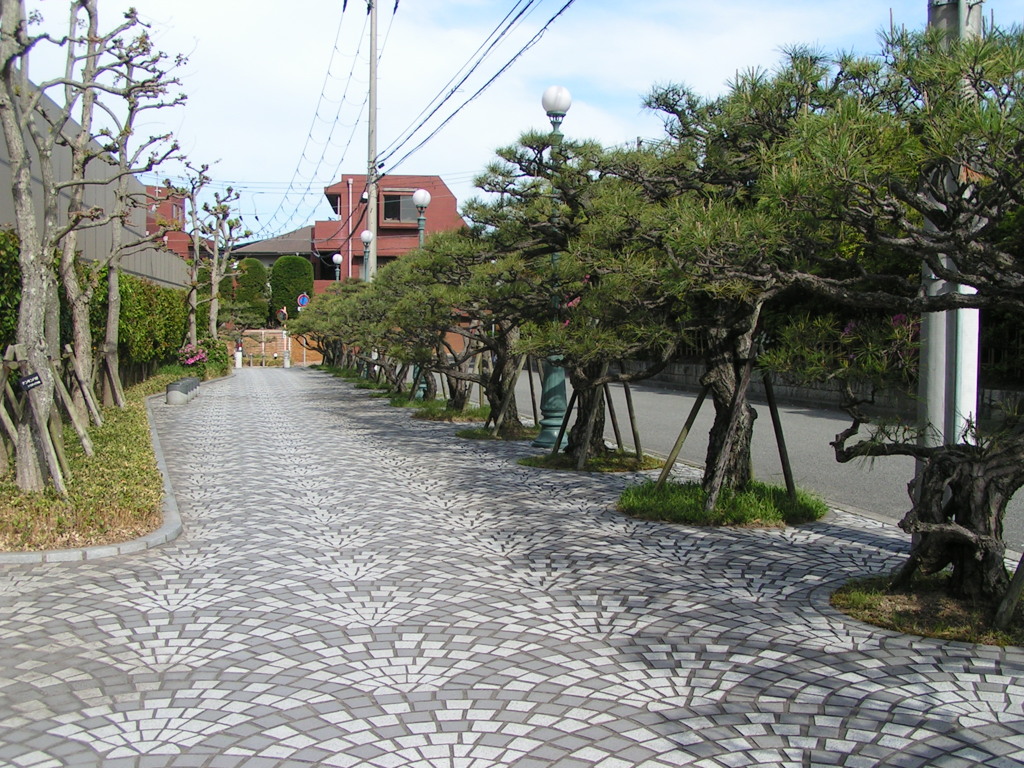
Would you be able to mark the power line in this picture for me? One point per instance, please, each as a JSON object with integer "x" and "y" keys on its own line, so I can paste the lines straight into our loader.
{"x": 309, "y": 191}
{"x": 316, "y": 114}
{"x": 533, "y": 41}
{"x": 299, "y": 194}
{"x": 451, "y": 87}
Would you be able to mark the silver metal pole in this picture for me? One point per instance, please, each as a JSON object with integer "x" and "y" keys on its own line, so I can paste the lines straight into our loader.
{"x": 948, "y": 378}
{"x": 370, "y": 265}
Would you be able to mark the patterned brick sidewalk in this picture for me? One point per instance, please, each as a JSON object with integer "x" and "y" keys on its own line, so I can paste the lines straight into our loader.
{"x": 354, "y": 588}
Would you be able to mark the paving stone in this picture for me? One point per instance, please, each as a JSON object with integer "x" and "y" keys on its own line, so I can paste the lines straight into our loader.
{"x": 355, "y": 588}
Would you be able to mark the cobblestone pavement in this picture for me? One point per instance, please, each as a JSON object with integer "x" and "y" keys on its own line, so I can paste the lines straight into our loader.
{"x": 354, "y": 588}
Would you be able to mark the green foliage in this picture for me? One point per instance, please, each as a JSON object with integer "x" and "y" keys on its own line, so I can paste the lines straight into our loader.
{"x": 251, "y": 282}
{"x": 153, "y": 320}
{"x": 862, "y": 350}
{"x": 247, "y": 305}
{"x": 218, "y": 359}
{"x": 113, "y": 496}
{"x": 206, "y": 360}
{"x": 10, "y": 286}
{"x": 289, "y": 277}
{"x": 759, "y": 505}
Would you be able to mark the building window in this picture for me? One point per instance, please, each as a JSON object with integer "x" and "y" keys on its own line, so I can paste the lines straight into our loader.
{"x": 398, "y": 208}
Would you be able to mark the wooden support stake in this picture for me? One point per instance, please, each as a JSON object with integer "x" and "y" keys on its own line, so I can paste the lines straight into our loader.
{"x": 72, "y": 412}
{"x": 85, "y": 387}
{"x": 632, "y": 421}
{"x": 614, "y": 418}
{"x": 8, "y": 422}
{"x": 565, "y": 424}
{"x": 42, "y": 430}
{"x": 773, "y": 409}
{"x": 674, "y": 454}
{"x": 112, "y": 378}
{"x": 533, "y": 392}
{"x": 56, "y": 429}
{"x": 11, "y": 365}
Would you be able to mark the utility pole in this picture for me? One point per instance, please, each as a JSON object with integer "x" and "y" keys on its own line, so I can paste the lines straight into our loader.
{"x": 372, "y": 201}
{"x": 948, "y": 371}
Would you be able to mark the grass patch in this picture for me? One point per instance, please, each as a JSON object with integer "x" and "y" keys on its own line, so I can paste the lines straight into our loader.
{"x": 479, "y": 433}
{"x": 367, "y": 384}
{"x": 607, "y": 462}
{"x": 112, "y": 497}
{"x": 339, "y": 373}
{"x": 924, "y": 609}
{"x": 438, "y": 410}
{"x": 759, "y": 506}
{"x": 352, "y": 375}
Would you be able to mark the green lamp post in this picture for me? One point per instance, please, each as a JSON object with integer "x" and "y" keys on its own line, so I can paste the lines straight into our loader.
{"x": 556, "y": 102}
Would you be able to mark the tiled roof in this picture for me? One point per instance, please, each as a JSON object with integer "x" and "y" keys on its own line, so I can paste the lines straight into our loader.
{"x": 290, "y": 242}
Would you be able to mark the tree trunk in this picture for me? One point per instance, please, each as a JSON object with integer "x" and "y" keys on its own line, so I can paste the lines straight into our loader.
{"x": 589, "y": 406}
{"x": 496, "y": 385}
{"x": 728, "y": 459}
{"x": 458, "y": 393}
{"x": 429, "y": 386}
{"x": 113, "y": 390}
{"x": 38, "y": 288}
{"x": 958, "y": 518}
{"x": 81, "y": 330}
{"x": 728, "y": 365}
{"x": 214, "y": 311}
{"x": 193, "y": 302}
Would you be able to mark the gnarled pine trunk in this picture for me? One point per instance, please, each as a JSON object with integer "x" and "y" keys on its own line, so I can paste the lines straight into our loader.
{"x": 728, "y": 365}
{"x": 499, "y": 379}
{"x": 590, "y": 412}
{"x": 958, "y": 517}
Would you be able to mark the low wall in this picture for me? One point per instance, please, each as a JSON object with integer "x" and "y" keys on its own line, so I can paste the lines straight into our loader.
{"x": 259, "y": 347}
{"x": 686, "y": 376}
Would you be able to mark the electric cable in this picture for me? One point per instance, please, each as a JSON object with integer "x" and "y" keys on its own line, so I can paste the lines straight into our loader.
{"x": 533, "y": 41}
{"x": 449, "y": 89}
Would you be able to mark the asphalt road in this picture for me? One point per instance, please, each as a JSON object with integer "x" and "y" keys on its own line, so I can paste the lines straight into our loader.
{"x": 876, "y": 488}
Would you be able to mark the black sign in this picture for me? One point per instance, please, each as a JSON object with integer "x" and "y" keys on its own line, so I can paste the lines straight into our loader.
{"x": 25, "y": 383}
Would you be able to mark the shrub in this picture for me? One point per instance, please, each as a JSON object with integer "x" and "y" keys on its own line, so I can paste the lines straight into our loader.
{"x": 192, "y": 355}
{"x": 289, "y": 277}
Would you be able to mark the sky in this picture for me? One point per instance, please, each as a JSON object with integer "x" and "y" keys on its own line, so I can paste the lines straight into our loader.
{"x": 277, "y": 97}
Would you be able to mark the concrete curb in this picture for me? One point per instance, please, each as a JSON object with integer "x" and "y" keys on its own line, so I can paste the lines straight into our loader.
{"x": 169, "y": 531}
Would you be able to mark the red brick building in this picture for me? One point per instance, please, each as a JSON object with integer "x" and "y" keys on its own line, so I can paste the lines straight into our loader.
{"x": 397, "y": 231}
{"x": 165, "y": 209}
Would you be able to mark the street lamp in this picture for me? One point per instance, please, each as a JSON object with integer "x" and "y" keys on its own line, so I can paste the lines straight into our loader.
{"x": 367, "y": 237}
{"x": 556, "y": 102}
{"x": 421, "y": 199}
{"x": 337, "y": 259}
